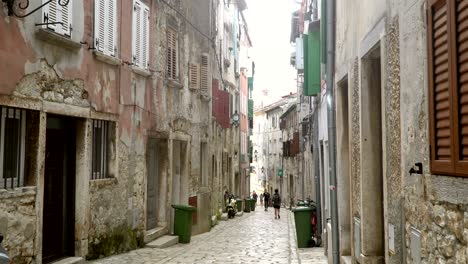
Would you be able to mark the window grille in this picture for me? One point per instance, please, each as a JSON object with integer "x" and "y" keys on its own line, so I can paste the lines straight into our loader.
{"x": 100, "y": 155}
{"x": 12, "y": 147}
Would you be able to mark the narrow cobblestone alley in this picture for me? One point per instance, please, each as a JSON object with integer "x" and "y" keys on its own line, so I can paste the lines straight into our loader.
{"x": 255, "y": 237}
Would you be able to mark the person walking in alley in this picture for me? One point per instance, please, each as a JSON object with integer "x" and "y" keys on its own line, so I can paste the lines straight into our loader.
{"x": 254, "y": 196}
{"x": 261, "y": 199}
{"x": 266, "y": 197}
{"x": 276, "y": 204}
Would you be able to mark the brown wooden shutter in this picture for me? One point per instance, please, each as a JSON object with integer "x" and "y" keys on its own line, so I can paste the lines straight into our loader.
{"x": 194, "y": 76}
{"x": 460, "y": 9}
{"x": 440, "y": 88}
{"x": 204, "y": 73}
{"x": 171, "y": 54}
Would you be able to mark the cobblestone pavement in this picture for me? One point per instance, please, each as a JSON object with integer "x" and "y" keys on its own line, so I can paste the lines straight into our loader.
{"x": 255, "y": 237}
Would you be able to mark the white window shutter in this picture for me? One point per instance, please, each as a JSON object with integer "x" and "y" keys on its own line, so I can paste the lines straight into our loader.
{"x": 66, "y": 14}
{"x": 99, "y": 24}
{"x": 111, "y": 26}
{"x": 49, "y": 14}
{"x": 137, "y": 33}
{"x": 145, "y": 37}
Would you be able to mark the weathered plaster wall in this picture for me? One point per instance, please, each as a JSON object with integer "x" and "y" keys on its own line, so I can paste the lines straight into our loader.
{"x": 18, "y": 223}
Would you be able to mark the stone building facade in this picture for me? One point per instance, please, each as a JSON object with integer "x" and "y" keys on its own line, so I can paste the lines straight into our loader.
{"x": 109, "y": 123}
{"x": 391, "y": 209}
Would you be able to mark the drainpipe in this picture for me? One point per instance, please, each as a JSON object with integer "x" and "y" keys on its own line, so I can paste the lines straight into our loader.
{"x": 315, "y": 148}
{"x": 330, "y": 28}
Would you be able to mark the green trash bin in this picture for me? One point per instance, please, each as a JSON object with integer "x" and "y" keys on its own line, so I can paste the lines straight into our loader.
{"x": 239, "y": 205}
{"x": 183, "y": 222}
{"x": 302, "y": 216}
{"x": 252, "y": 204}
{"x": 247, "y": 205}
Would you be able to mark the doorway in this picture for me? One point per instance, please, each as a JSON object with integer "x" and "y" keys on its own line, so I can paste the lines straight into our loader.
{"x": 343, "y": 168}
{"x": 179, "y": 176}
{"x": 372, "y": 237}
{"x": 152, "y": 185}
{"x": 59, "y": 189}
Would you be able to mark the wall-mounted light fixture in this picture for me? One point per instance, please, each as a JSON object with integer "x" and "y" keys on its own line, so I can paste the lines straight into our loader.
{"x": 24, "y": 4}
{"x": 235, "y": 118}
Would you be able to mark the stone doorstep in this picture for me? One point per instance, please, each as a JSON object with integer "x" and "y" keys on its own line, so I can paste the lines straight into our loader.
{"x": 346, "y": 259}
{"x": 70, "y": 260}
{"x": 152, "y": 234}
{"x": 214, "y": 220}
{"x": 240, "y": 213}
{"x": 163, "y": 242}
{"x": 224, "y": 217}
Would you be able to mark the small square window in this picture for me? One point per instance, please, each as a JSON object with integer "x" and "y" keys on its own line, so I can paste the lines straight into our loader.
{"x": 103, "y": 149}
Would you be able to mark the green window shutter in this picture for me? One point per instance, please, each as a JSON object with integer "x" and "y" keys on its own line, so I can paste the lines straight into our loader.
{"x": 305, "y": 54}
{"x": 323, "y": 31}
{"x": 251, "y": 108}
{"x": 312, "y": 62}
{"x": 250, "y": 83}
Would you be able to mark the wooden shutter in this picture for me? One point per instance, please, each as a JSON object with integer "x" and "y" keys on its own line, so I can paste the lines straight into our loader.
{"x": 171, "y": 54}
{"x": 111, "y": 27}
{"x": 194, "y": 76}
{"x": 145, "y": 37}
{"x": 204, "y": 74}
{"x": 66, "y": 17}
{"x": 137, "y": 33}
{"x": 460, "y": 9}
{"x": 53, "y": 12}
{"x": 442, "y": 160}
{"x": 99, "y": 24}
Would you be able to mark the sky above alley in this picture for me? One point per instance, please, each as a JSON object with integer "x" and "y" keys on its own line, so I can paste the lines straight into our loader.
{"x": 269, "y": 23}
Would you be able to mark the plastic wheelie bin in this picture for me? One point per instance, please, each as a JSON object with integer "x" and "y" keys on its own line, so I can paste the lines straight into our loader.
{"x": 252, "y": 204}
{"x": 247, "y": 205}
{"x": 239, "y": 205}
{"x": 183, "y": 222}
{"x": 302, "y": 216}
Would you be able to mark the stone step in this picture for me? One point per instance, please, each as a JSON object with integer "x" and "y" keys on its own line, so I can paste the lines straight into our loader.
{"x": 214, "y": 220}
{"x": 346, "y": 259}
{"x": 155, "y": 233}
{"x": 163, "y": 242}
{"x": 224, "y": 217}
{"x": 240, "y": 213}
{"x": 70, "y": 260}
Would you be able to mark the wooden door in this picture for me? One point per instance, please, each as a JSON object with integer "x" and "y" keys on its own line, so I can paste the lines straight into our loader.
{"x": 152, "y": 186}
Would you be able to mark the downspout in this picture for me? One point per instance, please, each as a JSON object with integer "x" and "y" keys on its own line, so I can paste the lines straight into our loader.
{"x": 330, "y": 29}
{"x": 316, "y": 151}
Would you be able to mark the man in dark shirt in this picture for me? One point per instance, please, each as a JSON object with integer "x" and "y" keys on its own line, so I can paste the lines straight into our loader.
{"x": 266, "y": 197}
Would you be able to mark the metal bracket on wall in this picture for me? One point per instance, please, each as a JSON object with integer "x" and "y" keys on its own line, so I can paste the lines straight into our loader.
{"x": 11, "y": 3}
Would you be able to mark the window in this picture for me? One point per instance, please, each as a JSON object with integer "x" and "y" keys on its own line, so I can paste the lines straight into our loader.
{"x": 172, "y": 54}
{"x": 57, "y": 18}
{"x": 204, "y": 75}
{"x": 448, "y": 86}
{"x": 102, "y": 152}
{"x": 140, "y": 34}
{"x": 194, "y": 76}
{"x": 12, "y": 147}
{"x": 105, "y": 21}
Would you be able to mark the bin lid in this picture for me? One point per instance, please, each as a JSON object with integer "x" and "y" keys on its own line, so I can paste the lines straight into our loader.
{"x": 302, "y": 209}
{"x": 184, "y": 207}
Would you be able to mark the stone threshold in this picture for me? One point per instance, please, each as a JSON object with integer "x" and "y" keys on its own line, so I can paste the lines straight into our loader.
{"x": 155, "y": 233}
{"x": 70, "y": 260}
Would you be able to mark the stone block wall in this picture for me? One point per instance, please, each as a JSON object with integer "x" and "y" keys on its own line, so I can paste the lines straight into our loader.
{"x": 18, "y": 223}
